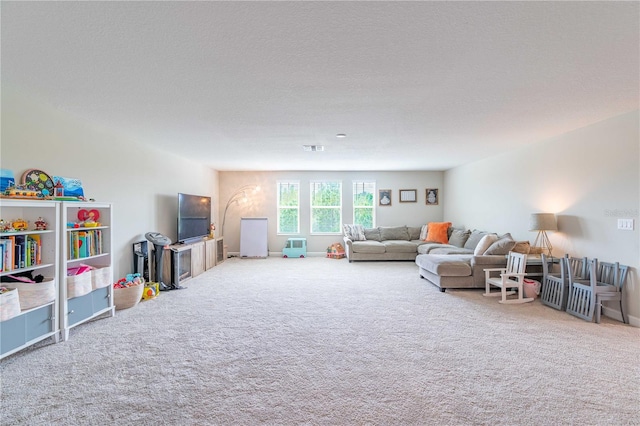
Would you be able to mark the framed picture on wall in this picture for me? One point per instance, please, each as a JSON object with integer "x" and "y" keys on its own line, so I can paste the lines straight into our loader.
{"x": 408, "y": 195}
{"x": 384, "y": 197}
{"x": 432, "y": 196}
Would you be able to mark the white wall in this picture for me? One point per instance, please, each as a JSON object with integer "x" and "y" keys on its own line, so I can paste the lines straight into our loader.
{"x": 589, "y": 177}
{"x": 141, "y": 182}
{"x": 264, "y": 203}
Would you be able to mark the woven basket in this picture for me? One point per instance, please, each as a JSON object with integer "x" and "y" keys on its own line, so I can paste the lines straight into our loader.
{"x": 9, "y": 304}
{"x": 78, "y": 285}
{"x": 100, "y": 277}
{"x": 127, "y": 297}
{"x": 36, "y": 294}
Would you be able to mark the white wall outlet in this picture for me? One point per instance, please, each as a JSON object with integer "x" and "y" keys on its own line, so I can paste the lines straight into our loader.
{"x": 625, "y": 224}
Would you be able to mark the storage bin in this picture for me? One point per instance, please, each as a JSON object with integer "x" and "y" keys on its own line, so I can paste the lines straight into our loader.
{"x": 9, "y": 304}
{"x": 531, "y": 288}
{"x": 35, "y": 294}
{"x": 78, "y": 285}
{"x": 127, "y": 297}
{"x": 100, "y": 277}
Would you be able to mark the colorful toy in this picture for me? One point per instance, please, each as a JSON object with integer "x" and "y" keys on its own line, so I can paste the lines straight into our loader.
{"x": 41, "y": 225}
{"x": 296, "y": 247}
{"x": 19, "y": 225}
{"x": 335, "y": 251}
{"x": 19, "y": 191}
{"x": 129, "y": 281}
{"x": 5, "y": 226}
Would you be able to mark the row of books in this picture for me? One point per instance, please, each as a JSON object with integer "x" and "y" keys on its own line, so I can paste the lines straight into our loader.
{"x": 84, "y": 244}
{"x": 20, "y": 251}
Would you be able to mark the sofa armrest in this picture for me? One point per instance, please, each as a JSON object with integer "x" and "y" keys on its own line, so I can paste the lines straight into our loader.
{"x": 348, "y": 247}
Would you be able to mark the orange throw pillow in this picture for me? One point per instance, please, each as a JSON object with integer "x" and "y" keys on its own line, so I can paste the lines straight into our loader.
{"x": 437, "y": 232}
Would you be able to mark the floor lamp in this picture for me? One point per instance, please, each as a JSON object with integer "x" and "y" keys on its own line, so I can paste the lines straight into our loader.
{"x": 240, "y": 196}
{"x": 543, "y": 222}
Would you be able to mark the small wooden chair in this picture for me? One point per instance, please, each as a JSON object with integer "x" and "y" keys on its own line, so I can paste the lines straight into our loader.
{"x": 510, "y": 277}
{"x": 605, "y": 282}
{"x": 555, "y": 290}
{"x": 610, "y": 282}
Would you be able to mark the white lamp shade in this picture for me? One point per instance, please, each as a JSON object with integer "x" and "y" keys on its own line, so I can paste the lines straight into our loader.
{"x": 543, "y": 222}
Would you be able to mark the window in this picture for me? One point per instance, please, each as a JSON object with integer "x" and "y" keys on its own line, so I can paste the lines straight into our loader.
{"x": 363, "y": 204}
{"x": 288, "y": 207}
{"x": 326, "y": 207}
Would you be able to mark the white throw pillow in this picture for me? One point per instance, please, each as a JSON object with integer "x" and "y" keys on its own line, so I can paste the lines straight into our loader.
{"x": 484, "y": 243}
{"x": 354, "y": 232}
{"x": 423, "y": 232}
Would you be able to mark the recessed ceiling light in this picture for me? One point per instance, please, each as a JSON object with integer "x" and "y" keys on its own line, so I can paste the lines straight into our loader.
{"x": 341, "y": 135}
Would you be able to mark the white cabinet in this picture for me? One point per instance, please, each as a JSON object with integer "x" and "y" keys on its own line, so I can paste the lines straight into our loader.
{"x": 86, "y": 240}
{"x": 34, "y": 251}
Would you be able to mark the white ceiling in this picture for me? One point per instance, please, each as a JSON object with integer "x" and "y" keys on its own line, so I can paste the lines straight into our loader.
{"x": 243, "y": 85}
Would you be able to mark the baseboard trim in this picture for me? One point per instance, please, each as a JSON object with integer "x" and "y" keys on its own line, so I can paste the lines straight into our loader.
{"x": 615, "y": 314}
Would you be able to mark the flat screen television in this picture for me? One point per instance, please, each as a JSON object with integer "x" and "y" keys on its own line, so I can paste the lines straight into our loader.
{"x": 194, "y": 217}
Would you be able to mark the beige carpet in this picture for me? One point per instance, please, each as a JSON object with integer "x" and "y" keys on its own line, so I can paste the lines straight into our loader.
{"x": 323, "y": 342}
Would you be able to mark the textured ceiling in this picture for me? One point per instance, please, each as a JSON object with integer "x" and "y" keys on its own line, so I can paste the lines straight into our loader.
{"x": 243, "y": 85}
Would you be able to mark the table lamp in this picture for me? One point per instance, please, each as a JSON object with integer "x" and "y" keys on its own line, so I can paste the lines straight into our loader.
{"x": 543, "y": 222}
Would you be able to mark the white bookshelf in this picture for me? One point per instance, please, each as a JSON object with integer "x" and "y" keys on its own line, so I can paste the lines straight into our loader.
{"x": 79, "y": 309}
{"x": 41, "y": 322}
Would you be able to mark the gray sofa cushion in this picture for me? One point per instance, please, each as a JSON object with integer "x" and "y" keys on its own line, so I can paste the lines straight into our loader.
{"x": 474, "y": 239}
{"x": 445, "y": 265}
{"x": 414, "y": 232}
{"x": 399, "y": 246}
{"x": 368, "y": 247}
{"x": 394, "y": 233}
{"x": 372, "y": 234}
{"x": 502, "y": 246}
{"x": 459, "y": 237}
{"x": 450, "y": 250}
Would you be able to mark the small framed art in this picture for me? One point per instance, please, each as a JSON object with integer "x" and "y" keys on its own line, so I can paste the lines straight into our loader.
{"x": 384, "y": 197}
{"x": 432, "y": 196}
{"x": 408, "y": 195}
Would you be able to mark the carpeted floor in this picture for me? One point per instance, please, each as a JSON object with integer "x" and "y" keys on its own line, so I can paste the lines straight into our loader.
{"x": 318, "y": 341}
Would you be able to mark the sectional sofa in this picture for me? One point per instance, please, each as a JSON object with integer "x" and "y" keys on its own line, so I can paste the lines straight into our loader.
{"x": 458, "y": 263}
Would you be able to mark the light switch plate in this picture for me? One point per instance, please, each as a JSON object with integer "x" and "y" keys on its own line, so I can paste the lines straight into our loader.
{"x": 625, "y": 224}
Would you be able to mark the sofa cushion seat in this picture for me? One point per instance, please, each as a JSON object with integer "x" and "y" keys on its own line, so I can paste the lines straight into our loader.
{"x": 450, "y": 250}
{"x": 397, "y": 246}
{"x": 375, "y": 247}
{"x": 445, "y": 265}
{"x": 427, "y": 248}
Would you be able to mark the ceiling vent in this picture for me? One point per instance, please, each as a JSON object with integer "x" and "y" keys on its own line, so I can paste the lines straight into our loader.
{"x": 313, "y": 148}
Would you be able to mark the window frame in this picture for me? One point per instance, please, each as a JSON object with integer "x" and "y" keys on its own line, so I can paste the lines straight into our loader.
{"x": 312, "y": 207}
{"x": 280, "y": 207}
{"x": 373, "y": 199}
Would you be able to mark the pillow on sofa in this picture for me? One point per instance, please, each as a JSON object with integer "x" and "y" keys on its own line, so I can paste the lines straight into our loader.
{"x": 423, "y": 232}
{"x": 437, "y": 232}
{"x": 354, "y": 232}
{"x": 372, "y": 234}
{"x": 458, "y": 237}
{"x": 394, "y": 233}
{"x": 484, "y": 243}
{"x": 474, "y": 239}
{"x": 414, "y": 232}
{"x": 522, "y": 247}
{"x": 501, "y": 246}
